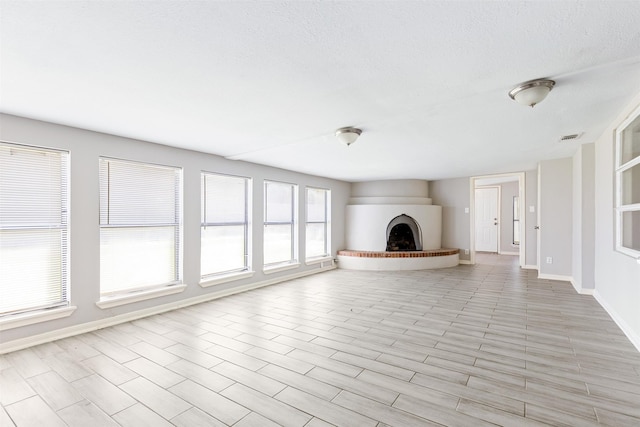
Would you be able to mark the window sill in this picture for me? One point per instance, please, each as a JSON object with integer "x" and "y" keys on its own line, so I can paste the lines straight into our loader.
{"x": 226, "y": 278}
{"x": 629, "y": 252}
{"x": 114, "y": 301}
{"x": 318, "y": 260}
{"x": 280, "y": 267}
{"x": 39, "y": 316}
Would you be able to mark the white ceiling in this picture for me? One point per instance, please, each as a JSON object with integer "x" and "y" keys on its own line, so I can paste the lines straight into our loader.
{"x": 269, "y": 82}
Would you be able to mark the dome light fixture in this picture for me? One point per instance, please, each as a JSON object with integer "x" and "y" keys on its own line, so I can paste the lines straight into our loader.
{"x": 532, "y": 92}
{"x": 348, "y": 135}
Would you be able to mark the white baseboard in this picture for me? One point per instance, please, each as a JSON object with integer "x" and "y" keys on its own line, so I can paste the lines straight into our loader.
{"x": 464, "y": 261}
{"x": 19, "y": 344}
{"x": 530, "y": 267}
{"x": 560, "y": 277}
{"x": 626, "y": 329}
{"x": 579, "y": 289}
{"x": 509, "y": 253}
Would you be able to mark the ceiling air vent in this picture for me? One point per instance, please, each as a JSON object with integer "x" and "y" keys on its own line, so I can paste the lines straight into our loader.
{"x": 570, "y": 137}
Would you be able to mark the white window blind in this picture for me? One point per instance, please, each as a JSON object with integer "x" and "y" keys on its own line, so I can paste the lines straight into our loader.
{"x": 224, "y": 224}
{"x": 280, "y": 236}
{"x": 34, "y": 203}
{"x": 317, "y": 226}
{"x": 140, "y": 225}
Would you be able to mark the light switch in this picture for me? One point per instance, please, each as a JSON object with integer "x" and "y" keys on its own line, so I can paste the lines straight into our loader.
{"x": 466, "y": 210}
{"x": 532, "y": 209}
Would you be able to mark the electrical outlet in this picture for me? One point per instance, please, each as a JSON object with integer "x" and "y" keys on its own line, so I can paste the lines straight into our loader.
{"x": 466, "y": 251}
{"x": 549, "y": 260}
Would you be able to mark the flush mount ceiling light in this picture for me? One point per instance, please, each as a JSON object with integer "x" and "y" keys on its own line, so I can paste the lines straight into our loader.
{"x": 348, "y": 135}
{"x": 532, "y": 92}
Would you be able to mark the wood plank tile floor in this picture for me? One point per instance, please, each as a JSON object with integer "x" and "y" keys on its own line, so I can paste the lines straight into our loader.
{"x": 479, "y": 345}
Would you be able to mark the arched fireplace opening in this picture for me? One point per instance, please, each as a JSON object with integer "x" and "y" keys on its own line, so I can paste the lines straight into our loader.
{"x": 403, "y": 234}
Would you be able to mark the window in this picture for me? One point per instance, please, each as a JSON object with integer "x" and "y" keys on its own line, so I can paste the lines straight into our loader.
{"x": 140, "y": 226}
{"x": 224, "y": 224}
{"x": 34, "y": 228}
{"x": 280, "y": 207}
{"x": 317, "y": 230}
{"x": 628, "y": 186}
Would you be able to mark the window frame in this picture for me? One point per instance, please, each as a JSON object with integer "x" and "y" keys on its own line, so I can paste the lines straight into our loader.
{"x": 293, "y": 258}
{"x": 619, "y": 169}
{"x": 34, "y": 313}
{"x": 247, "y": 223}
{"x": 131, "y": 294}
{"x": 326, "y": 223}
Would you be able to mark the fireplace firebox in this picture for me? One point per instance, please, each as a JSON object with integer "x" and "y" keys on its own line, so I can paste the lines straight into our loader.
{"x": 403, "y": 234}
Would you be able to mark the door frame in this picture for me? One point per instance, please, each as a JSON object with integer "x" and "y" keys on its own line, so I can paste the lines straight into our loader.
{"x": 520, "y": 177}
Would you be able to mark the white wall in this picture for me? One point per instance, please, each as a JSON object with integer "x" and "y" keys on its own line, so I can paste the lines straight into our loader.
{"x": 391, "y": 188}
{"x": 453, "y": 196}
{"x": 617, "y": 276}
{"x": 86, "y": 147}
{"x": 531, "y": 201}
{"x": 577, "y": 220}
{"x": 588, "y": 215}
{"x": 555, "y": 213}
{"x": 583, "y": 218}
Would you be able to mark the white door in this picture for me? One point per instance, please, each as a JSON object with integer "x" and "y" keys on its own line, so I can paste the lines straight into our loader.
{"x": 487, "y": 219}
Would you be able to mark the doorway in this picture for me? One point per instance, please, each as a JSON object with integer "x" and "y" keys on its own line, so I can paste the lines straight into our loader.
{"x": 510, "y": 227}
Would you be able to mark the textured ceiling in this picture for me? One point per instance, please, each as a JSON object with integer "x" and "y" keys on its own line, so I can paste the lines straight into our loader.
{"x": 269, "y": 82}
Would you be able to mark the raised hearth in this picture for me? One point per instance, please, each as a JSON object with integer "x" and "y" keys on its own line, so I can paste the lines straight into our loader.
{"x": 398, "y": 260}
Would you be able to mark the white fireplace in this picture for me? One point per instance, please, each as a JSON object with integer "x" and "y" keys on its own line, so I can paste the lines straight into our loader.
{"x": 373, "y": 205}
{"x": 400, "y": 212}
